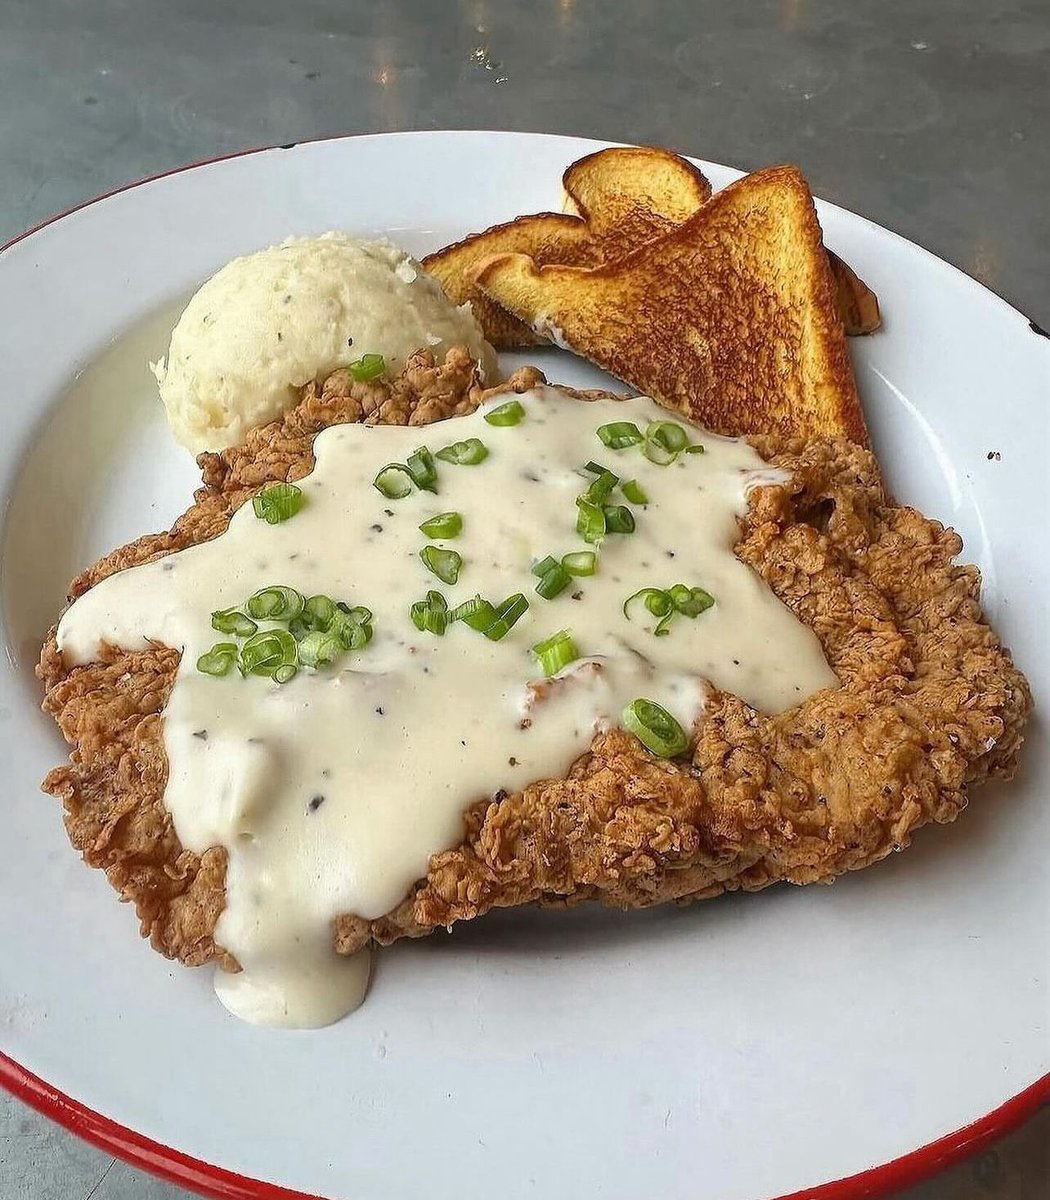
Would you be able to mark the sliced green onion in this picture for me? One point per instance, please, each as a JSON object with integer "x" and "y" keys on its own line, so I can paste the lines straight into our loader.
{"x": 319, "y": 612}
{"x": 581, "y": 562}
{"x": 275, "y": 604}
{"x": 590, "y": 521}
{"x": 507, "y": 616}
{"x": 355, "y": 635}
{"x": 691, "y": 601}
{"x": 352, "y": 626}
{"x": 285, "y": 673}
{"x": 655, "y": 728}
{"x": 510, "y": 413}
{"x": 665, "y": 604}
{"x": 668, "y": 434}
{"x": 477, "y": 612}
{"x": 618, "y": 435}
{"x": 633, "y": 492}
{"x": 600, "y": 489}
{"x": 695, "y": 448}
{"x": 277, "y": 503}
{"x": 445, "y": 564}
{"x": 394, "y": 481}
{"x": 232, "y": 620}
{"x": 655, "y": 601}
{"x": 556, "y": 652}
{"x": 618, "y": 518}
{"x": 431, "y": 615}
{"x": 464, "y": 454}
{"x": 358, "y": 613}
{"x": 420, "y": 465}
{"x": 444, "y": 525}
{"x": 553, "y": 581}
{"x": 664, "y": 441}
{"x": 367, "y": 367}
{"x": 218, "y": 660}
{"x": 268, "y": 650}
{"x": 318, "y": 649}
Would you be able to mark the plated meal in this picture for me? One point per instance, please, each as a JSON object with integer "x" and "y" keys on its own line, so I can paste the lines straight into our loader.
{"x": 431, "y": 641}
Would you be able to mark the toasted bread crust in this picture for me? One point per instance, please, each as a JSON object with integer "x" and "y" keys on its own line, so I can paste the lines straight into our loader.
{"x": 730, "y": 318}
{"x": 545, "y": 237}
{"x": 624, "y": 196}
{"x": 629, "y": 194}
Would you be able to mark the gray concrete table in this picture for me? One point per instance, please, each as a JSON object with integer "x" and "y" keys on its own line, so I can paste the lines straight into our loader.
{"x": 929, "y": 116}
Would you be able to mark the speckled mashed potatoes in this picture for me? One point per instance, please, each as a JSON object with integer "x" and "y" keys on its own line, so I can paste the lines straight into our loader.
{"x": 270, "y": 322}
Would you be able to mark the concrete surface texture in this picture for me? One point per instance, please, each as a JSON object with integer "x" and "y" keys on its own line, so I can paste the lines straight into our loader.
{"x": 929, "y": 116}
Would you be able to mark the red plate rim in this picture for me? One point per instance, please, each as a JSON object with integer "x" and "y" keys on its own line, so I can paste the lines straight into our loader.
{"x": 220, "y": 1184}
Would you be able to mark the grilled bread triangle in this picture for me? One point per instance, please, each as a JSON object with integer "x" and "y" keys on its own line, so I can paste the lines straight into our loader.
{"x": 730, "y": 318}
{"x": 621, "y": 198}
{"x": 624, "y": 196}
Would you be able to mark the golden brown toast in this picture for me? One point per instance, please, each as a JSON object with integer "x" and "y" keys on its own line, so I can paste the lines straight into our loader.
{"x": 545, "y": 238}
{"x": 730, "y": 318}
{"x": 629, "y": 194}
{"x": 623, "y": 196}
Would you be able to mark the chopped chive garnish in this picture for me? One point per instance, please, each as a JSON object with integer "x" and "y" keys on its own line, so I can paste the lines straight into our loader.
{"x": 507, "y": 616}
{"x": 464, "y": 454}
{"x": 420, "y": 465}
{"x": 664, "y": 441}
{"x": 655, "y": 728}
{"x": 445, "y": 564}
{"x": 319, "y": 612}
{"x": 277, "y": 503}
{"x": 218, "y": 660}
{"x": 477, "y": 612}
{"x": 581, "y": 562}
{"x": 665, "y": 603}
{"x": 556, "y": 652}
{"x": 510, "y": 413}
{"x": 367, "y": 367}
{"x": 319, "y": 648}
{"x": 265, "y": 652}
{"x": 394, "y": 481}
{"x": 691, "y": 601}
{"x": 233, "y": 621}
{"x": 590, "y": 521}
{"x": 618, "y": 435}
{"x": 618, "y": 518}
{"x": 275, "y": 604}
{"x": 656, "y": 601}
{"x": 601, "y": 488}
{"x": 633, "y": 492}
{"x": 431, "y": 614}
{"x": 444, "y": 525}
{"x": 554, "y": 578}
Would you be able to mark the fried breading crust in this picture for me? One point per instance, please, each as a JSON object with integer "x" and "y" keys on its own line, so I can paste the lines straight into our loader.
{"x": 930, "y": 704}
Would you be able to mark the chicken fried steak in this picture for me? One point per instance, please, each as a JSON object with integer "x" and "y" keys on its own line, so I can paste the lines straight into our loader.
{"x": 929, "y": 703}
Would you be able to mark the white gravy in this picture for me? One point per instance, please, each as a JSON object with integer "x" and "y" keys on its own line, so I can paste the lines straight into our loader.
{"x": 331, "y": 792}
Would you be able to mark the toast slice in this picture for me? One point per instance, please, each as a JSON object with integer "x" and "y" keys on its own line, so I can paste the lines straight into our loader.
{"x": 619, "y": 198}
{"x": 730, "y": 319}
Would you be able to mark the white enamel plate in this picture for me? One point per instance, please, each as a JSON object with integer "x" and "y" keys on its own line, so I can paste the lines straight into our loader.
{"x": 744, "y": 1048}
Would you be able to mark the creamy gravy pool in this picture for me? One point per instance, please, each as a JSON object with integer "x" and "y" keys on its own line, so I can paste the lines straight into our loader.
{"x": 331, "y": 792}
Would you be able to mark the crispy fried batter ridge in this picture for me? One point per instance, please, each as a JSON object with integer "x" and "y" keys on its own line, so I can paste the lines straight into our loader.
{"x": 930, "y": 703}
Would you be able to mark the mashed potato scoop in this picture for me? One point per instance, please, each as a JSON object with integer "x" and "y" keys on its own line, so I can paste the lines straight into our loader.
{"x": 270, "y": 322}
